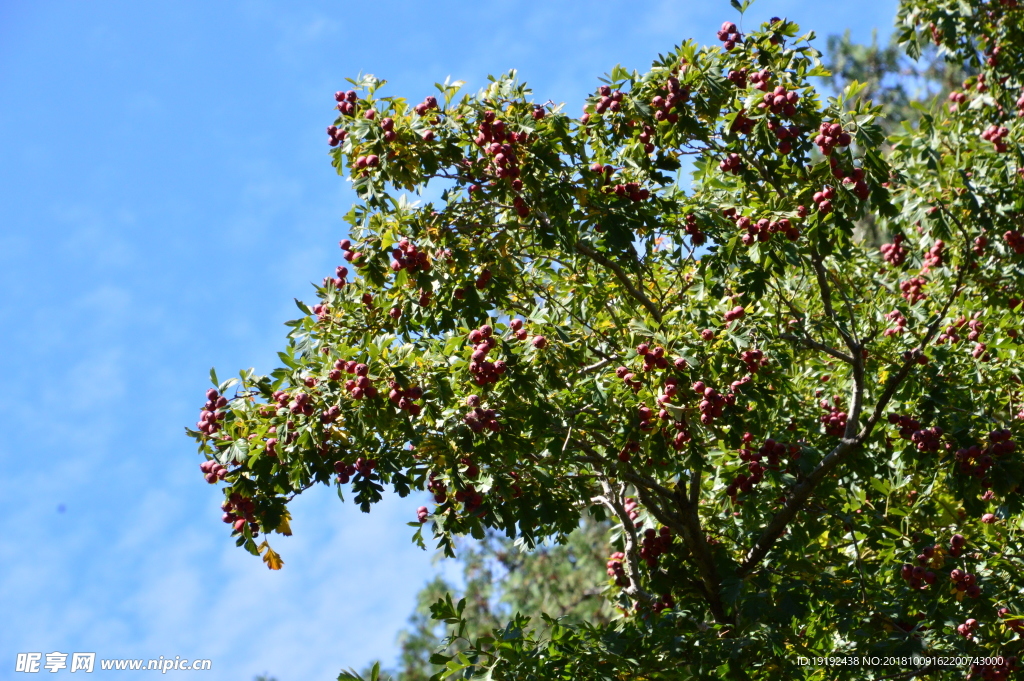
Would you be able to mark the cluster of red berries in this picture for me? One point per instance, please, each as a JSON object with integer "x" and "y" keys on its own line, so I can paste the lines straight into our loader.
{"x": 345, "y": 472}
{"x": 754, "y": 359}
{"x": 426, "y": 105}
{"x": 975, "y": 326}
{"x": 516, "y": 327}
{"x": 785, "y": 134}
{"x": 609, "y": 100}
{"x": 646, "y": 132}
{"x": 967, "y": 628}
{"x": 653, "y": 358}
{"x": 365, "y": 467}
{"x": 729, "y": 35}
{"x": 854, "y": 177}
{"x": 359, "y": 387}
{"x": 503, "y": 154}
{"x": 629, "y": 378}
{"x": 897, "y": 318}
{"x": 977, "y": 461}
{"x": 1014, "y": 240}
{"x": 737, "y": 385}
{"x": 823, "y": 200}
{"x": 368, "y": 161}
{"x": 404, "y": 399}
{"x": 735, "y": 314}
{"x": 913, "y": 289}
{"x": 697, "y": 237}
{"x": 349, "y": 254}
{"x": 742, "y": 125}
{"x": 437, "y": 488}
{"x": 492, "y": 131}
{"x": 484, "y": 372}
{"x": 335, "y": 136}
{"x": 760, "y": 80}
{"x": 965, "y": 582}
{"x": 743, "y": 482}
{"x": 894, "y": 253}
{"x": 780, "y": 101}
{"x": 770, "y": 451}
{"x": 472, "y": 470}
{"x": 213, "y": 471}
{"x": 408, "y": 257}
{"x": 980, "y": 85}
{"x": 470, "y": 497}
{"x": 950, "y": 335}
{"x": 633, "y": 190}
{"x": 346, "y": 102}
{"x": 330, "y": 414}
{"x": 341, "y": 273}
{"x": 933, "y": 258}
{"x": 916, "y": 575}
{"x": 955, "y": 100}
{"x": 422, "y": 514}
{"x": 631, "y": 505}
{"x": 956, "y": 545}
{"x": 763, "y": 229}
{"x": 830, "y": 136}
{"x": 616, "y": 570}
{"x": 925, "y": 439}
{"x": 677, "y": 97}
{"x": 479, "y": 419}
{"x": 712, "y": 405}
{"x": 646, "y": 416}
{"x": 654, "y": 544}
{"x": 835, "y": 420}
{"x": 388, "y": 126}
{"x": 238, "y": 511}
{"x": 300, "y": 403}
{"x": 731, "y": 164}
{"x": 605, "y": 171}
{"x": 211, "y": 412}
{"x": 996, "y": 134}
{"x": 320, "y": 310}
{"x": 738, "y": 78}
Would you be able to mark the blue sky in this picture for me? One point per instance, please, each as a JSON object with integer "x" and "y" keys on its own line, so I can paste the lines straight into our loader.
{"x": 165, "y": 192}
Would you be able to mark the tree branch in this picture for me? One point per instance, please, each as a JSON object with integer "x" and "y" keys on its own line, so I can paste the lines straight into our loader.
{"x": 826, "y": 300}
{"x": 821, "y": 347}
{"x": 613, "y": 501}
{"x": 800, "y": 493}
{"x": 622, "y": 277}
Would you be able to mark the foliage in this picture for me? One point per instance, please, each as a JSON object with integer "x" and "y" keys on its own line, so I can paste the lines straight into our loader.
{"x": 562, "y": 580}
{"x": 807, "y": 446}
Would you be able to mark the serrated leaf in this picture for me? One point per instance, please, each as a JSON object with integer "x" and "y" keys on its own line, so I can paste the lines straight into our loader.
{"x": 270, "y": 556}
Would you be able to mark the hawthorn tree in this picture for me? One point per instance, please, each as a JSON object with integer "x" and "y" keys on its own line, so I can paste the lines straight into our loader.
{"x": 805, "y": 445}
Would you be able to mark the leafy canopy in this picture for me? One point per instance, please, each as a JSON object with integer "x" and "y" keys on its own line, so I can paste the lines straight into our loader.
{"x": 805, "y": 446}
